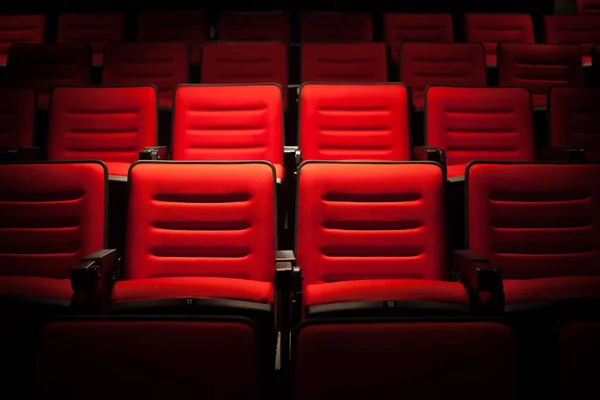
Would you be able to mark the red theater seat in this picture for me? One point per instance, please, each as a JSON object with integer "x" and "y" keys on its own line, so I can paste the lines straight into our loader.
{"x": 344, "y": 62}
{"x": 538, "y": 67}
{"x": 164, "y": 65}
{"x": 423, "y": 64}
{"x": 52, "y": 215}
{"x": 479, "y": 124}
{"x": 20, "y": 29}
{"x": 17, "y": 117}
{"x": 491, "y": 29}
{"x": 400, "y": 28}
{"x": 588, "y": 7}
{"x": 583, "y": 31}
{"x": 373, "y": 232}
{"x": 354, "y": 121}
{"x": 175, "y": 26}
{"x": 46, "y": 66}
{"x": 232, "y": 63}
{"x": 97, "y": 29}
{"x": 112, "y": 124}
{"x": 579, "y": 351}
{"x": 229, "y": 122}
{"x": 574, "y": 121}
{"x": 254, "y": 26}
{"x": 327, "y": 27}
{"x": 536, "y": 223}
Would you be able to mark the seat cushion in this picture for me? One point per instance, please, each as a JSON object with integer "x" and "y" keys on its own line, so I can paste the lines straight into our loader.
{"x": 457, "y": 170}
{"x": 546, "y": 289}
{"x": 192, "y": 287}
{"x": 118, "y": 168}
{"x": 392, "y": 289}
{"x": 33, "y": 286}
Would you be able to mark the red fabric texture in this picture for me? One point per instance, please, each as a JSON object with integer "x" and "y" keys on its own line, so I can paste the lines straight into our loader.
{"x": 51, "y": 215}
{"x": 187, "y": 26}
{"x": 20, "y": 29}
{"x": 410, "y": 360}
{"x": 452, "y": 64}
{"x": 354, "y": 122}
{"x": 324, "y": 27}
{"x": 36, "y": 287}
{"x": 546, "y": 289}
{"x": 97, "y": 29}
{"x": 579, "y": 351}
{"x": 148, "y": 359}
{"x": 344, "y": 62}
{"x": 491, "y": 29}
{"x": 191, "y": 287}
{"x": 164, "y": 65}
{"x": 17, "y": 116}
{"x": 479, "y": 124}
{"x": 112, "y": 124}
{"x": 583, "y": 31}
{"x": 538, "y": 67}
{"x": 254, "y": 26}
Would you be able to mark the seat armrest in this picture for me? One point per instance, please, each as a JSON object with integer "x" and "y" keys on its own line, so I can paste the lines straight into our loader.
{"x": 563, "y": 154}
{"x": 92, "y": 279}
{"x": 429, "y": 153}
{"x": 285, "y": 256}
{"x": 292, "y": 157}
{"x": 22, "y": 154}
{"x": 479, "y": 279}
{"x": 154, "y": 153}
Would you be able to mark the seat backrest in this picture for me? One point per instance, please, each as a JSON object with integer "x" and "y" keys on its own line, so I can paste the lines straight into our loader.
{"x": 538, "y": 67}
{"x": 588, "y": 7}
{"x": 359, "y": 220}
{"x": 254, "y": 26}
{"x": 97, "y": 29}
{"x": 423, "y": 64}
{"x": 327, "y": 27}
{"x": 583, "y": 31}
{"x": 20, "y": 29}
{"x": 574, "y": 122}
{"x": 354, "y": 121}
{"x": 17, "y": 117}
{"x": 45, "y": 66}
{"x": 535, "y": 220}
{"x": 164, "y": 65}
{"x": 344, "y": 62}
{"x": 228, "y": 122}
{"x": 112, "y": 124}
{"x": 491, "y": 29}
{"x": 480, "y": 123}
{"x": 201, "y": 219}
{"x": 189, "y": 27}
{"x": 252, "y": 62}
{"x": 52, "y": 215}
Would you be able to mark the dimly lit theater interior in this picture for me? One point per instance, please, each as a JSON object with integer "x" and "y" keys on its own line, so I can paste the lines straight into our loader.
{"x": 300, "y": 200}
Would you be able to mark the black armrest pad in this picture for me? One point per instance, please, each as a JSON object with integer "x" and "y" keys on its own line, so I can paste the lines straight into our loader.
{"x": 562, "y": 154}
{"x": 429, "y": 153}
{"x": 292, "y": 156}
{"x": 475, "y": 271}
{"x": 22, "y": 154}
{"x": 93, "y": 268}
{"x": 285, "y": 255}
{"x": 154, "y": 153}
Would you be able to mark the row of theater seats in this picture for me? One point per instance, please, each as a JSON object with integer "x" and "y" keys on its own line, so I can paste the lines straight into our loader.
{"x": 195, "y": 305}
{"x": 536, "y": 67}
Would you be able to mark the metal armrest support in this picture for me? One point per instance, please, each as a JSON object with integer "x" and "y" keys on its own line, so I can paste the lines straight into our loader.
{"x": 92, "y": 279}
{"x": 481, "y": 281}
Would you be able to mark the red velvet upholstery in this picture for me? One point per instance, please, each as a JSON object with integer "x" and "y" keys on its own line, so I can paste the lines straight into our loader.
{"x": 579, "y": 351}
{"x": 491, "y": 29}
{"x": 148, "y": 359}
{"x": 582, "y": 31}
{"x": 453, "y": 64}
{"x": 479, "y": 124}
{"x": 424, "y": 360}
{"x": 20, "y": 29}
{"x": 187, "y": 26}
{"x": 233, "y": 63}
{"x": 354, "y": 121}
{"x": 205, "y": 230}
{"x": 538, "y": 67}
{"x": 17, "y": 117}
{"x": 368, "y": 231}
{"x": 164, "y": 65}
{"x": 574, "y": 119}
{"x": 344, "y": 62}
{"x": 97, "y": 29}
{"x": 111, "y": 124}
{"x": 254, "y": 26}
{"x": 51, "y": 215}
{"x": 588, "y": 7}
{"x": 400, "y": 28}
{"x": 537, "y": 223}
{"x": 324, "y": 27}
{"x": 236, "y": 122}
{"x": 46, "y": 66}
